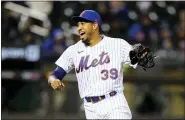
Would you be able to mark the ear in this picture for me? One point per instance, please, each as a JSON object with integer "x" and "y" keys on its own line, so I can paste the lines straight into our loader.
{"x": 95, "y": 26}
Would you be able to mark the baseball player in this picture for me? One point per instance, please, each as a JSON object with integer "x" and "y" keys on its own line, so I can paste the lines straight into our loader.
{"x": 98, "y": 61}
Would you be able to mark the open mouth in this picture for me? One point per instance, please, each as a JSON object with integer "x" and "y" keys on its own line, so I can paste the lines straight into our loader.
{"x": 82, "y": 34}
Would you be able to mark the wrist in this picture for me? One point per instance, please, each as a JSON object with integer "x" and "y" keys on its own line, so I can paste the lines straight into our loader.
{"x": 51, "y": 79}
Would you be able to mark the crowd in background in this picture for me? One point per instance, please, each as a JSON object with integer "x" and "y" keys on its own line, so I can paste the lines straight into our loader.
{"x": 159, "y": 25}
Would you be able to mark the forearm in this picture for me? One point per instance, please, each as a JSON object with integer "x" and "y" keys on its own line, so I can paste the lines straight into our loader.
{"x": 58, "y": 73}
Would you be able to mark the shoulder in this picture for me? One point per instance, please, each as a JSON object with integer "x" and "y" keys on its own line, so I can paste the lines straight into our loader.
{"x": 78, "y": 45}
{"x": 75, "y": 47}
{"x": 116, "y": 40}
{"x": 70, "y": 49}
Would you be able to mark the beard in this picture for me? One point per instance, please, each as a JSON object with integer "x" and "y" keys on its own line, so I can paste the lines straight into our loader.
{"x": 87, "y": 42}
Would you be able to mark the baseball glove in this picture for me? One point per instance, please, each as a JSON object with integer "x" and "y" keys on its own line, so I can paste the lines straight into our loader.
{"x": 143, "y": 56}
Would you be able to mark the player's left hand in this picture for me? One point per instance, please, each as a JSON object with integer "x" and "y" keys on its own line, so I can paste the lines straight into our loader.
{"x": 143, "y": 56}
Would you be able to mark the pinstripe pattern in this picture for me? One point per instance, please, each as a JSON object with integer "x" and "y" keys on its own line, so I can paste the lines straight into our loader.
{"x": 115, "y": 107}
{"x": 99, "y": 71}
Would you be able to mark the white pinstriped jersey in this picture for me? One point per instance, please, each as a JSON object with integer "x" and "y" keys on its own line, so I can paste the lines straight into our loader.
{"x": 99, "y": 69}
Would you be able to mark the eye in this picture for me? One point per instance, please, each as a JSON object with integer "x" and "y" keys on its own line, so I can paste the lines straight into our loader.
{"x": 80, "y": 23}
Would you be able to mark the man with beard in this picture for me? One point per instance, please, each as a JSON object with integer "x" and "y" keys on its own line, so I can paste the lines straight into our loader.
{"x": 98, "y": 61}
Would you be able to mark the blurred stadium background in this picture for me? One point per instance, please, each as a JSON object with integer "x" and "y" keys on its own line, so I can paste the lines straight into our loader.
{"x": 34, "y": 35}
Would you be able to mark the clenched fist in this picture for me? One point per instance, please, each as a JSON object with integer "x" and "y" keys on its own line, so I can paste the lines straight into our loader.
{"x": 55, "y": 83}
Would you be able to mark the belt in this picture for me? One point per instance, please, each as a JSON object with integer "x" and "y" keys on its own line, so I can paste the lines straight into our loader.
{"x": 96, "y": 99}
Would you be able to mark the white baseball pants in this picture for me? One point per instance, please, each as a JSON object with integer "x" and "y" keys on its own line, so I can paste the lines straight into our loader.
{"x": 115, "y": 107}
